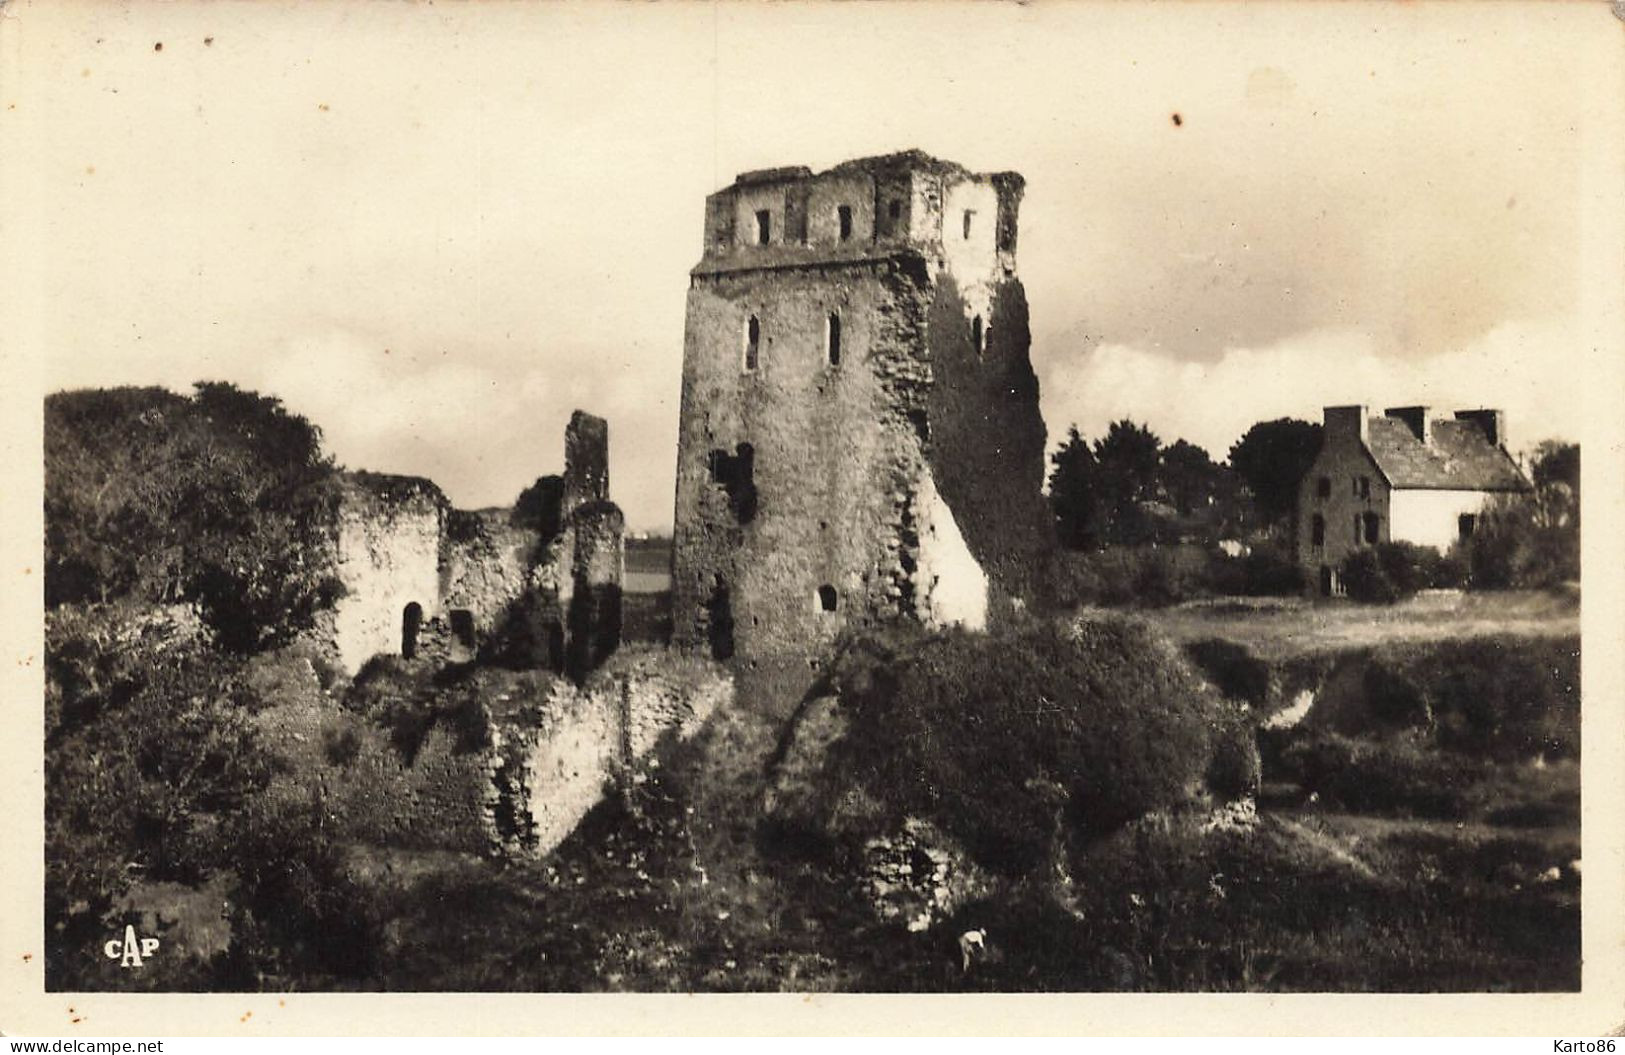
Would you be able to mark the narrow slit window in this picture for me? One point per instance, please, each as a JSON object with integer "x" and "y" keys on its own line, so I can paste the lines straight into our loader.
{"x": 976, "y": 334}
{"x": 969, "y": 214}
{"x": 753, "y": 343}
{"x": 832, "y": 340}
{"x": 843, "y": 216}
{"x": 764, "y": 226}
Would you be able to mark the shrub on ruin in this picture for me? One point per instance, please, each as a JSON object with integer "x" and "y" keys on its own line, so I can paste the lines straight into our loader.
{"x": 1003, "y": 740}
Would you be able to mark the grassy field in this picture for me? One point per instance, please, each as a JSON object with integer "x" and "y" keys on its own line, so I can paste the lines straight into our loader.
{"x": 1278, "y": 628}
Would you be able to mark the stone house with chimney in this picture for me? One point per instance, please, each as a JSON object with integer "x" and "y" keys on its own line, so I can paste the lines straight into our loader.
{"x": 1402, "y": 476}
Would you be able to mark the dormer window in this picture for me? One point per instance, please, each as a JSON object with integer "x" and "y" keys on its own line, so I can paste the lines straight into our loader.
{"x": 843, "y": 216}
{"x": 764, "y": 226}
{"x": 969, "y": 214}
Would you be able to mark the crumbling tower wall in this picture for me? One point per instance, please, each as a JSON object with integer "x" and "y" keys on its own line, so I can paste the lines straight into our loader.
{"x": 859, "y": 435}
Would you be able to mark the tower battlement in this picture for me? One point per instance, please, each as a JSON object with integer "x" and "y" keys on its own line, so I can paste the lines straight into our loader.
{"x": 862, "y": 210}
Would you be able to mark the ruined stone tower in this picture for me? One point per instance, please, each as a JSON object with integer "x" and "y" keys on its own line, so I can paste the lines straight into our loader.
{"x": 860, "y": 439}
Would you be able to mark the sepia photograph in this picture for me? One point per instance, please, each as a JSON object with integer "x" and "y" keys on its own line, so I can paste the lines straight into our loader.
{"x": 810, "y": 498}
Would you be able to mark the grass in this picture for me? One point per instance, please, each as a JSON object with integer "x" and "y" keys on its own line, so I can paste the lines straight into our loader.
{"x": 1280, "y": 628}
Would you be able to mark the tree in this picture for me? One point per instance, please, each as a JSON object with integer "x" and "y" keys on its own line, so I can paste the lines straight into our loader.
{"x": 1533, "y": 539}
{"x": 1189, "y": 477}
{"x": 1271, "y": 458}
{"x": 539, "y": 507}
{"x": 224, "y": 500}
{"x": 1128, "y": 458}
{"x": 1556, "y": 462}
{"x": 1073, "y": 494}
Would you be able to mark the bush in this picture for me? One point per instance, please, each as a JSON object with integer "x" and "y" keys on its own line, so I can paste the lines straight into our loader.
{"x": 1235, "y": 770}
{"x": 1000, "y": 740}
{"x": 149, "y": 743}
{"x": 1527, "y": 541}
{"x": 1150, "y": 576}
{"x": 1265, "y": 571}
{"x": 1395, "y": 698}
{"x": 1233, "y": 669}
{"x": 1393, "y": 571}
{"x": 1502, "y": 698}
{"x": 1396, "y": 774}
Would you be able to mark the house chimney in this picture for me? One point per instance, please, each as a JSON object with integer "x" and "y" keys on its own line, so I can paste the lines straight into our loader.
{"x": 1493, "y": 422}
{"x": 1350, "y": 422}
{"x": 1417, "y": 418}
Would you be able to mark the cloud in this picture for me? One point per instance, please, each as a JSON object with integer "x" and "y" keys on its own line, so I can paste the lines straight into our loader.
{"x": 1520, "y": 366}
{"x": 482, "y": 432}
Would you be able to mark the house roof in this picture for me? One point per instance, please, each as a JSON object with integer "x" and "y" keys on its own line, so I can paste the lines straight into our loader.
{"x": 1458, "y": 456}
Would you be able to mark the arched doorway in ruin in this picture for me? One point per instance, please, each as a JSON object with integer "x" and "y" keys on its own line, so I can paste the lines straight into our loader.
{"x": 411, "y": 623}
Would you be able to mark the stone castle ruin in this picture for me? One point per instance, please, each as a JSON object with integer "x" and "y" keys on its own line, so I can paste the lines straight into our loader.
{"x": 423, "y": 578}
{"x": 859, "y": 437}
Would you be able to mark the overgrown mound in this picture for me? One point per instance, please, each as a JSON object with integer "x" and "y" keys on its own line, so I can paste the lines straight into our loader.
{"x": 1009, "y": 742}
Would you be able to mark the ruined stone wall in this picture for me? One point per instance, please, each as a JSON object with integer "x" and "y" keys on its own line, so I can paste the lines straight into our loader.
{"x": 586, "y": 738}
{"x": 388, "y": 558}
{"x": 586, "y": 462}
{"x": 487, "y": 564}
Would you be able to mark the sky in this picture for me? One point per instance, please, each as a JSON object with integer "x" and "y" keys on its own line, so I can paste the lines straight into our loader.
{"x": 437, "y": 229}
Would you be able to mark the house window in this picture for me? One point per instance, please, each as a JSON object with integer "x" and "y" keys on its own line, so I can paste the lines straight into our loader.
{"x": 764, "y": 226}
{"x": 843, "y": 216}
{"x": 1373, "y": 528}
{"x": 1363, "y": 488}
{"x": 1317, "y": 531}
{"x": 753, "y": 343}
{"x": 827, "y": 598}
{"x": 1464, "y": 526}
{"x": 1325, "y": 581}
{"x": 832, "y": 339}
{"x": 1323, "y": 487}
{"x": 1358, "y": 530}
{"x": 896, "y": 209}
{"x": 976, "y": 334}
{"x": 969, "y": 213}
